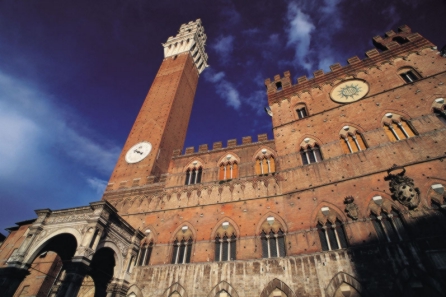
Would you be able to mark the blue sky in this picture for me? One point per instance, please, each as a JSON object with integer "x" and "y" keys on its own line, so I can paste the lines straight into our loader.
{"x": 73, "y": 75}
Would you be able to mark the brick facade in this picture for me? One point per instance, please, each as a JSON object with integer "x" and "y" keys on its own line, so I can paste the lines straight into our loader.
{"x": 362, "y": 195}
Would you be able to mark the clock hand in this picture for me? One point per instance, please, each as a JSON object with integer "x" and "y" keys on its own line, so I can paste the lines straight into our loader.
{"x": 136, "y": 151}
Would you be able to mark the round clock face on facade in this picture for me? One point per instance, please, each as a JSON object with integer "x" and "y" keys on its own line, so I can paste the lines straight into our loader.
{"x": 138, "y": 152}
{"x": 349, "y": 91}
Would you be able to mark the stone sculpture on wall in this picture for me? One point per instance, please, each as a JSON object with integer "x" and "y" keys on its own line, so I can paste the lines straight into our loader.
{"x": 403, "y": 188}
{"x": 351, "y": 208}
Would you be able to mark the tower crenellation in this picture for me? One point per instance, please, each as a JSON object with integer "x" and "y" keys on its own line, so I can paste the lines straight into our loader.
{"x": 190, "y": 38}
{"x": 393, "y": 45}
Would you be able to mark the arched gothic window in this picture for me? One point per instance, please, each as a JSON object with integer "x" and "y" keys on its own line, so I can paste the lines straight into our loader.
{"x": 332, "y": 235}
{"x": 388, "y": 226}
{"x": 182, "y": 246}
{"x": 265, "y": 163}
{"x": 225, "y": 247}
{"x": 273, "y": 239}
{"x": 228, "y": 168}
{"x": 228, "y": 171}
{"x": 182, "y": 251}
{"x": 225, "y": 243}
{"x": 144, "y": 254}
{"x": 441, "y": 114}
{"x": 331, "y": 230}
{"x": 145, "y": 251}
{"x": 351, "y": 140}
{"x": 437, "y": 196}
{"x": 193, "y": 176}
{"x": 310, "y": 154}
{"x": 273, "y": 244}
{"x": 397, "y": 128}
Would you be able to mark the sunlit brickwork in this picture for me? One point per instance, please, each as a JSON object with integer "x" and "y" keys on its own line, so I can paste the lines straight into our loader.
{"x": 347, "y": 199}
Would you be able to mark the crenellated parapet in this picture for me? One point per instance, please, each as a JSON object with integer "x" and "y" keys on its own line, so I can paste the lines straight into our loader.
{"x": 394, "y": 45}
{"x": 218, "y": 145}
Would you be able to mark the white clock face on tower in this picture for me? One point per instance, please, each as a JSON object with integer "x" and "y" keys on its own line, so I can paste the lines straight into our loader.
{"x": 138, "y": 152}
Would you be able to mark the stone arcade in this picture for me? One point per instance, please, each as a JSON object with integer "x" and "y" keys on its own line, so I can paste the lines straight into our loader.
{"x": 347, "y": 200}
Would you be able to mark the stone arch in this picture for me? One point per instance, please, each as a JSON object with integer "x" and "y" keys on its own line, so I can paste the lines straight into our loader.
{"x": 235, "y": 158}
{"x": 388, "y": 203}
{"x": 271, "y": 214}
{"x": 437, "y": 104}
{"x": 153, "y": 233}
{"x": 178, "y": 229}
{"x": 313, "y": 140}
{"x": 276, "y": 283}
{"x": 119, "y": 258}
{"x": 225, "y": 219}
{"x": 200, "y": 163}
{"x": 352, "y": 125}
{"x": 432, "y": 195}
{"x": 397, "y": 115}
{"x": 44, "y": 241}
{"x": 176, "y": 287}
{"x": 223, "y": 286}
{"x": 102, "y": 270}
{"x": 340, "y": 278}
{"x": 134, "y": 289}
{"x": 258, "y": 151}
{"x": 340, "y": 214}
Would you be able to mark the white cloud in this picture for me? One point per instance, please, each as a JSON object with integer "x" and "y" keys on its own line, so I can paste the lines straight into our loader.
{"x": 299, "y": 35}
{"x": 35, "y": 131}
{"x": 97, "y": 184}
{"x": 325, "y": 62}
{"x": 231, "y": 15}
{"x": 273, "y": 40}
{"x": 257, "y": 101}
{"x": 311, "y": 39}
{"x": 392, "y": 15}
{"x": 18, "y": 135}
{"x": 214, "y": 76}
{"x": 224, "y": 88}
{"x": 224, "y": 47}
{"x": 251, "y": 31}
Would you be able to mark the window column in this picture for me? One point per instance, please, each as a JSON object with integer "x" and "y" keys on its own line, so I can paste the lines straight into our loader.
{"x": 327, "y": 237}
{"x": 402, "y": 129}
{"x": 348, "y": 144}
{"x": 357, "y": 143}
{"x": 394, "y": 132}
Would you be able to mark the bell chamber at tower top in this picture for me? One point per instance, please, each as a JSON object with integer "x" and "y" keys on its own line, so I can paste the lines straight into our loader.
{"x": 190, "y": 38}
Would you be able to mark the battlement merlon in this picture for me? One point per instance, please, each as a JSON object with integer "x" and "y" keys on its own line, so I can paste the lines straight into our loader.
{"x": 190, "y": 38}
{"x": 392, "y": 45}
{"x": 218, "y": 146}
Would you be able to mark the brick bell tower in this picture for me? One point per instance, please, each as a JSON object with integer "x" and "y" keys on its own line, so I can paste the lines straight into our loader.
{"x": 161, "y": 125}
